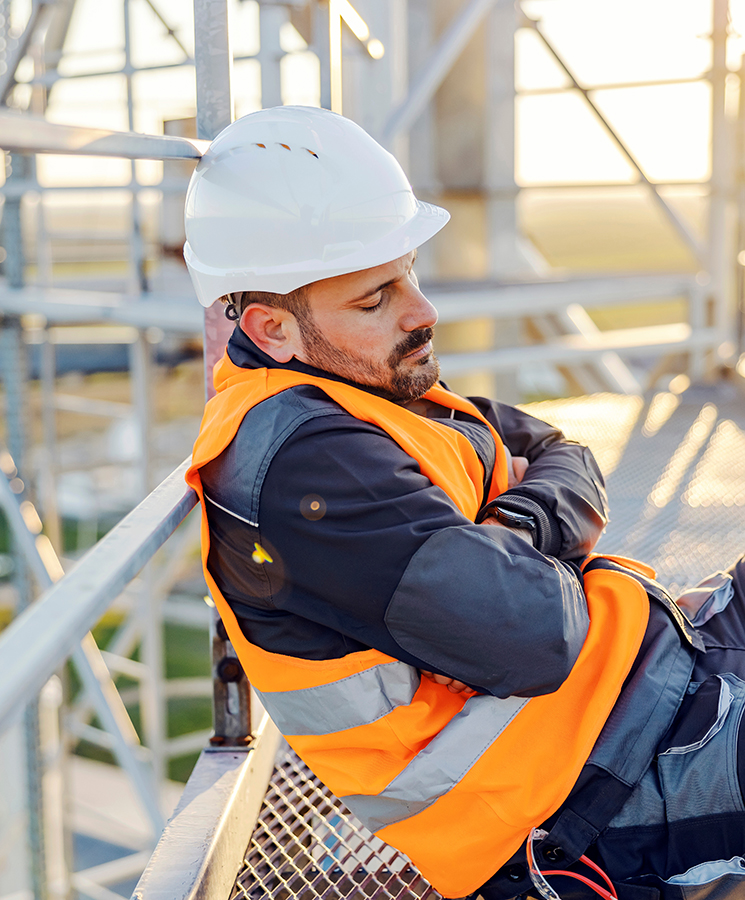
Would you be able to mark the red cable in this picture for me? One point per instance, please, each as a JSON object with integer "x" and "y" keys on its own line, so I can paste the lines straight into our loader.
{"x": 589, "y": 882}
{"x": 601, "y": 873}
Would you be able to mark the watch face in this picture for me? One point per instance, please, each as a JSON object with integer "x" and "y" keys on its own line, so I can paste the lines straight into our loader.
{"x": 515, "y": 519}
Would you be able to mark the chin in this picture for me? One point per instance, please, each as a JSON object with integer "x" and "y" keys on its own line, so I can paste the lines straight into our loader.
{"x": 414, "y": 383}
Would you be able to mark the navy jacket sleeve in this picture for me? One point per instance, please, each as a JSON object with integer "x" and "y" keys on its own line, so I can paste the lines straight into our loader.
{"x": 563, "y": 487}
{"x": 367, "y": 552}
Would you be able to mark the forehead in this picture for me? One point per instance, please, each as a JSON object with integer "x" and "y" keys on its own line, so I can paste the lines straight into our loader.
{"x": 342, "y": 289}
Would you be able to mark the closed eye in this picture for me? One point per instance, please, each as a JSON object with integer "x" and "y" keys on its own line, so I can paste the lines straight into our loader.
{"x": 374, "y": 306}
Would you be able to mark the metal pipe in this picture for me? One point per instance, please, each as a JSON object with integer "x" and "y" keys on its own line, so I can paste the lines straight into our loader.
{"x": 739, "y": 174}
{"x": 335, "y": 59}
{"x": 576, "y": 349}
{"x": 115, "y": 720}
{"x": 171, "y": 32}
{"x": 29, "y": 134}
{"x": 166, "y": 311}
{"x": 54, "y": 625}
{"x": 48, "y": 487}
{"x": 440, "y": 61}
{"x": 320, "y": 13}
{"x": 615, "y": 85}
{"x": 16, "y": 47}
{"x": 591, "y": 185}
{"x": 88, "y": 661}
{"x": 271, "y": 19}
{"x": 214, "y": 63}
{"x": 204, "y": 843}
{"x": 141, "y": 373}
{"x": 136, "y": 246}
{"x": 166, "y": 186}
{"x": 52, "y": 76}
{"x": 215, "y": 112}
{"x": 14, "y": 376}
{"x": 719, "y": 248}
{"x": 680, "y": 227}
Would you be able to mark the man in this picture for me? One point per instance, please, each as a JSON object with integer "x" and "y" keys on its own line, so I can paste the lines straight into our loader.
{"x": 405, "y": 573}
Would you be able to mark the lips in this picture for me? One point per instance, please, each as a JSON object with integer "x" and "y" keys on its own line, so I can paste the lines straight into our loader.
{"x": 411, "y": 345}
{"x": 420, "y": 352}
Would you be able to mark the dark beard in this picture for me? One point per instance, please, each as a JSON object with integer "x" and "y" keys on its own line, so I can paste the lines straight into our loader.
{"x": 404, "y": 384}
{"x": 413, "y": 383}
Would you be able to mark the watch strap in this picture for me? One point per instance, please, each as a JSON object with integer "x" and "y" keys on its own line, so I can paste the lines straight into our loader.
{"x": 547, "y": 534}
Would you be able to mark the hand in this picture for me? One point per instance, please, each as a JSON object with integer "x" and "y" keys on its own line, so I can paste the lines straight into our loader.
{"x": 453, "y": 686}
{"x": 516, "y": 468}
{"x": 525, "y": 533}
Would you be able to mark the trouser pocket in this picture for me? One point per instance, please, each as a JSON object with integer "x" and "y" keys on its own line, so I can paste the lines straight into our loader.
{"x": 682, "y": 830}
{"x": 698, "y": 767}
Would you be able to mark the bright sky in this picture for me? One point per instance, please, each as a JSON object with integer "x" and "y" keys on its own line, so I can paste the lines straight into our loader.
{"x": 558, "y": 139}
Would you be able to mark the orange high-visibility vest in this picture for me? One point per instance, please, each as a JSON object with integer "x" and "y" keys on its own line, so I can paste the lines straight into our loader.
{"x": 455, "y": 781}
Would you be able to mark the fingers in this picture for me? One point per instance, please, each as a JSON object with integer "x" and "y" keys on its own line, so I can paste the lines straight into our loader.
{"x": 453, "y": 686}
{"x": 519, "y": 467}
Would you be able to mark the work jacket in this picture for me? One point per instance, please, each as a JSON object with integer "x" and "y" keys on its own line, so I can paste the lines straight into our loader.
{"x": 456, "y": 781}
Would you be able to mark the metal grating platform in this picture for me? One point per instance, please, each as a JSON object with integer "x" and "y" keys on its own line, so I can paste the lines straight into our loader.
{"x": 307, "y": 844}
{"x": 675, "y": 472}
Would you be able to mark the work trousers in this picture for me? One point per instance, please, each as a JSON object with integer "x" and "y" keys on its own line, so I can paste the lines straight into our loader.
{"x": 681, "y": 833}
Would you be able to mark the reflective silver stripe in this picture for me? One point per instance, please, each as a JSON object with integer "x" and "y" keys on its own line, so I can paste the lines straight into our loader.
{"x": 440, "y": 765}
{"x": 230, "y": 512}
{"x": 348, "y": 703}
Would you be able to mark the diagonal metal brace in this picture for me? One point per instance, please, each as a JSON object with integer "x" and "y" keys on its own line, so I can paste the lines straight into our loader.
{"x": 678, "y": 224}
{"x": 87, "y": 658}
{"x": 433, "y": 72}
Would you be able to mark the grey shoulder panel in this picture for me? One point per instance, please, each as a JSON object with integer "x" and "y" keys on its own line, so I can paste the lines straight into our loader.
{"x": 261, "y": 433}
{"x": 480, "y": 604}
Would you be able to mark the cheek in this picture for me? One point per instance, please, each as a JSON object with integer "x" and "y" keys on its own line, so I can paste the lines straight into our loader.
{"x": 368, "y": 337}
{"x": 377, "y": 347}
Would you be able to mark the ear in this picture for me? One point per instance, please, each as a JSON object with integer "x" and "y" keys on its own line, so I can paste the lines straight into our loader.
{"x": 273, "y": 330}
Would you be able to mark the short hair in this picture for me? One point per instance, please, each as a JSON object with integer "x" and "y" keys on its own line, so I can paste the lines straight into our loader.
{"x": 295, "y": 302}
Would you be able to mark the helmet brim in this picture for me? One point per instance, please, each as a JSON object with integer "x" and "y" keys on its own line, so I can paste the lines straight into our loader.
{"x": 211, "y": 283}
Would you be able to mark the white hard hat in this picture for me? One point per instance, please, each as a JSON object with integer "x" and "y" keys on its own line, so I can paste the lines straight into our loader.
{"x": 294, "y": 194}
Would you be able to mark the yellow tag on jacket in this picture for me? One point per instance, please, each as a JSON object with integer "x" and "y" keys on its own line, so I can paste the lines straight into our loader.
{"x": 455, "y": 781}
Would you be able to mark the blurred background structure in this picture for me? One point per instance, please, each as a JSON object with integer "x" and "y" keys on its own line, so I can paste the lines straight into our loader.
{"x": 591, "y": 156}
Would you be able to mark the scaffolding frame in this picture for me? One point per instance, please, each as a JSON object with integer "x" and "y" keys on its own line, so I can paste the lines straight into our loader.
{"x": 574, "y": 345}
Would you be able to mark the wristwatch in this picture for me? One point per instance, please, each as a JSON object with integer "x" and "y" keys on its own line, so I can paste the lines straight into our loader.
{"x": 513, "y": 519}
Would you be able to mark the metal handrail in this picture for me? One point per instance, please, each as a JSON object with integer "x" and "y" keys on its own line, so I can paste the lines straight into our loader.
{"x": 31, "y": 134}
{"x": 35, "y": 644}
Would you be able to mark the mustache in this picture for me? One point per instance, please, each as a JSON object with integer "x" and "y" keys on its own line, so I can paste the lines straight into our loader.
{"x": 413, "y": 341}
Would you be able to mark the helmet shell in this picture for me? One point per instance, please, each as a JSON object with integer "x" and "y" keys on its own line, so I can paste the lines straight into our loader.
{"x": 290, "y": 195}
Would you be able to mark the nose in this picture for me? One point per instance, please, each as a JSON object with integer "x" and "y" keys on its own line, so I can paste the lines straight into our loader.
{"x": 419, "y": 312}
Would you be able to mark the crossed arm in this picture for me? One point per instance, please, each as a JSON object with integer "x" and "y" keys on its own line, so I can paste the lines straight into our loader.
{"x": 393, "y": 564}
{"x": 516, "y": 468}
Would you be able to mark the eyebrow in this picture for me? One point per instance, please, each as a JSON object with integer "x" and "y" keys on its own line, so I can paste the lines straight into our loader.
{"x": 380, "y": 286}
